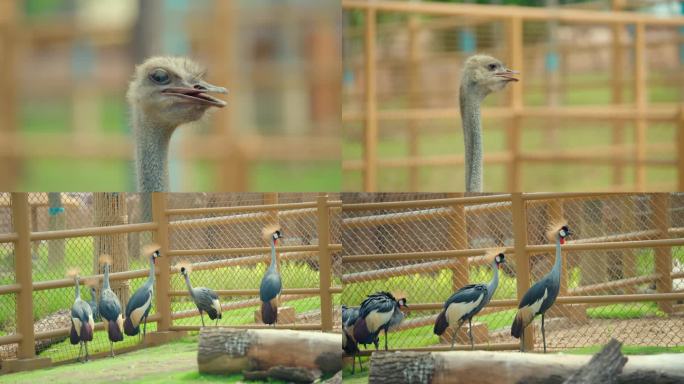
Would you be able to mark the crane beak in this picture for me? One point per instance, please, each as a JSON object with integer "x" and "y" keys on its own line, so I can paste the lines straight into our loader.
{"x": 199, "y": 93}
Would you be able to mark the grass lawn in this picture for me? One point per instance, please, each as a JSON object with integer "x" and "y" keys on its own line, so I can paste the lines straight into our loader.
{"x": 170, "y": 363}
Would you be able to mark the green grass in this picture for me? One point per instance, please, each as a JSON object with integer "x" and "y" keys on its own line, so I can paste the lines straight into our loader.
{"x": 170, "y": 363}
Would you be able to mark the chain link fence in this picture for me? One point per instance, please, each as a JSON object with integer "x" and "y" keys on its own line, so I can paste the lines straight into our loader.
{"x": 427, "y": 246}
{"x": 66, "y": 232}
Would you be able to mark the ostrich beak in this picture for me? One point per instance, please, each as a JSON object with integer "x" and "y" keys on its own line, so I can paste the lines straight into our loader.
{"x": 198, "y": 93}
{"x": 508, "y": 74}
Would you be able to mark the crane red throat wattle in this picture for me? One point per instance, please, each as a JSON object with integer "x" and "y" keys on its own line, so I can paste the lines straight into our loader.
{"x": 562, "y": 240}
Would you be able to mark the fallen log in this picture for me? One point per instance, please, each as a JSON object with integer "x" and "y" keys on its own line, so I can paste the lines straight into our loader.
{"x": 604, "y": 367}
{"x": 229, "y": 350}
{"x": 506, "y": 367}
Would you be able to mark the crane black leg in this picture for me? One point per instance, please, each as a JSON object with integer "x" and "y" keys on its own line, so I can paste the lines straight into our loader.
{"x": 522, "y": 340}
{"x": 80, "y": 349}
{"x": 145, "y": 328}
{"x": 111, "y": 348}
{"x": 86, "y": 348}
{"x": 543, "y": 334}
{"x": 360, "y": 364}
{"x": 353, "y": 363}
{"x": 385, "y": 339}
{"x": 202, "y": 317}
{"x": 470, "y": 330}
{"x": 453, "y": 337}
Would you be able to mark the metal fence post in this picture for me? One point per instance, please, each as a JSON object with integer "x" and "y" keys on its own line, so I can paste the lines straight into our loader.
{"x": 663, "y": 255}
{"x": 23, "y": 265}
{"x": 371, "y": 132}
{"x": 325, "y": 262}
{"x": 522, "y": 262}
{"x": 161, "y": 236}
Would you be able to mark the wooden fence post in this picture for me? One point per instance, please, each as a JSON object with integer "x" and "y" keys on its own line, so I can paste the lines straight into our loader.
{"x": 522, "y": 261}
{"x": 371, "y": 130}
{"x": 163, "y": 281}
{"x": 325, "y": 262}
{"x": 414, "y": 99}
{"x": 515, "y": 43}
{"x": 640, "y": 98}
{"x": 680, "y": 148}
{"x": 618, "y": 65}
{"x": 663, "y": 256}
{"x": 458, "y": 226}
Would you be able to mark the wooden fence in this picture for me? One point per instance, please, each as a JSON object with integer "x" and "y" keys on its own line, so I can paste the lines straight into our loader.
{"x": 223, "y": 245}
{"x": 430, "y": 246}
{"x": 235, "y": 141}
{"x": 411, "y": 118}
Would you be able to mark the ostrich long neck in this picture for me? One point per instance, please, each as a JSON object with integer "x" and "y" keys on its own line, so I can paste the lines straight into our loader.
{"x": 105, "y": 284}
{"x": 470, "y": 99}
{"x": 151, "y": 153}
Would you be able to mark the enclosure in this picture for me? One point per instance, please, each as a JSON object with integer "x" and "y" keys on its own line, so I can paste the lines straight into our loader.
{"x": 622, "y": 271}
{"x": 599, "y": 104}
{"x": 43, "y": 235}
{"x": 66, "y": 66}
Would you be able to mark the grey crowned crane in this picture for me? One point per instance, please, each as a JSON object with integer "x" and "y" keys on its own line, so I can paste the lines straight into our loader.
{"x": 349, "y": 345}
{"x": 469, "y": 301}
{"x": 138, "y": 307}
{"x": 541, "y": 296}
{"x": 93, "y": 301}
{"x": 205, "y": 299}
{"x": 110, "y": 308}
{"x": 82, "y": 323}
{"x": 380, "y": 311}
{"x": 271, "y": 285}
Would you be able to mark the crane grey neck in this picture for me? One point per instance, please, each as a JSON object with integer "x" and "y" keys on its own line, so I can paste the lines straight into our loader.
{"x": 187, "y": 283}
{"x": 470, "y": 97}
{"x": 494, "y": 283}
{"x": 78, "y": 291}
{"x": 556, "y": 271}
{"x": 105, "y": 283}
{"x": 151, "y": 153}
{"x": 150, "y": 278}
{"x": 273, "y": 265}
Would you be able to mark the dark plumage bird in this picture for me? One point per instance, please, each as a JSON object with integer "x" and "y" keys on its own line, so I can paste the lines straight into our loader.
{"x": 82, "y": 323}
{"x": 380, "y": 311}
{"x": 541, "y": 296}
{"x": 349, "y": 345}
{"x": 110, "y": 308}
{"x": 93, "y": 303}
{"x": 271, "y": 285}
{"x": 138, "y": 307}
{"x": 468, "y": 302}
{"x": 205, "y": 299}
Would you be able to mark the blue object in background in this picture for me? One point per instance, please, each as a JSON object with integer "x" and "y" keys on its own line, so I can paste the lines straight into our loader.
{"x": 681, "y": 32}
{"x": 552, "y": 61}
{"x": 467, "y": 41}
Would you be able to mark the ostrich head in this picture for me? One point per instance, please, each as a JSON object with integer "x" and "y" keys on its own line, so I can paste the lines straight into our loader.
{"x": 486, "y": 74}
{"x": 170, "y": 91}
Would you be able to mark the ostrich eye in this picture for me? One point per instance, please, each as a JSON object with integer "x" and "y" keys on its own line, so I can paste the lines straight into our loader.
{"x": 160, "y": 76}
{"x": 491, "y": 67}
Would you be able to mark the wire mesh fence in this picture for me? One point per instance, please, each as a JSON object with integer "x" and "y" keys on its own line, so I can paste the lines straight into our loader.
{"x": 81, "y": 235}
{"x": 428, "y": 247}
{"x": 585, "y": 74}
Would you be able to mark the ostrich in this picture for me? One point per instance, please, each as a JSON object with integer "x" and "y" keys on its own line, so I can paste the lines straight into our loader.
{"x": 468, "y": 302}
{"x": 271, "y": 285}
{"x": 165, "y": 92}
{"x": 82, "y": 323}
{"x": 541, "y": 296}
{"x": 349, "y": 345}
{"x": 139, "y": 304}
{"x": 380, "y": 311}
{"x": 205, "y": 299}
{"x": 110, "y": 308}
{"x": 482, "y": 75}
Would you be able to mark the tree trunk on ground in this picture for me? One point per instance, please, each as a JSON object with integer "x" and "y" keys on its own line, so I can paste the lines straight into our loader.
{"x": 110, "y": 209}
{"x": 229, "y": 350}
{"x": 603, "y": 366}
{"x": 511, "y": 367}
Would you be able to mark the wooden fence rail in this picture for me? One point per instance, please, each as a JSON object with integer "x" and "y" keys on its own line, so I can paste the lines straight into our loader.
{"x": 513, "y": 157}
{"x": 320, "y": 211}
